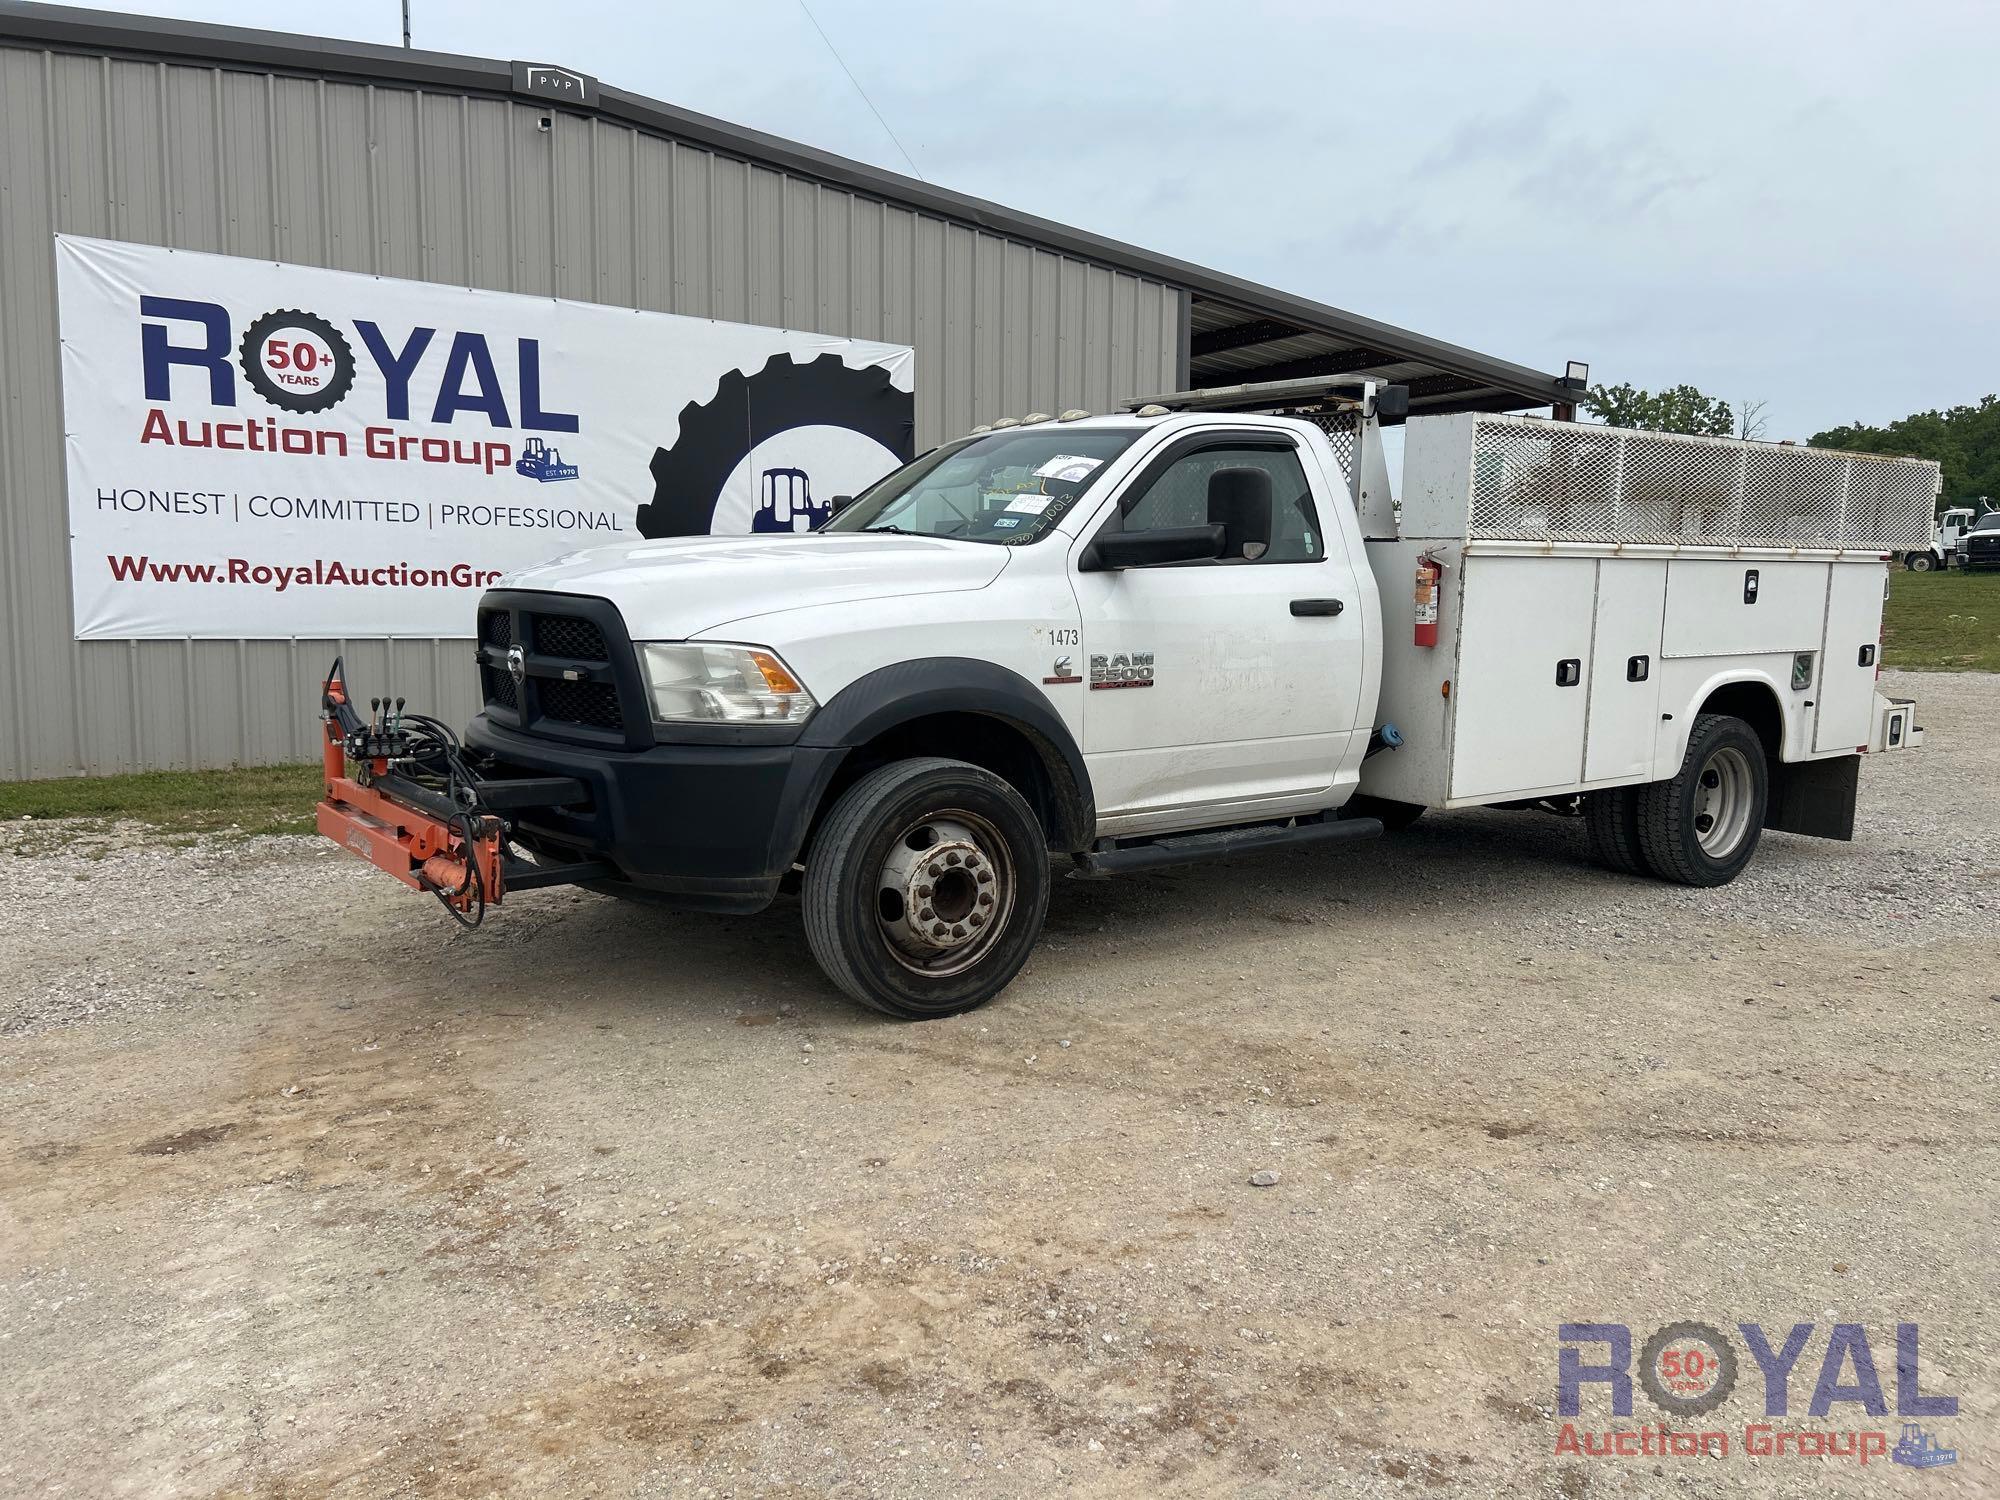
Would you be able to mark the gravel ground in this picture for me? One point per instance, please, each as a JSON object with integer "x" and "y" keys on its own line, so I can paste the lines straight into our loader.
{"x": 304, "y": 1193}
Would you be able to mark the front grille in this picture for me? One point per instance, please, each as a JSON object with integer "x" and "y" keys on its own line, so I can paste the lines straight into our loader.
{"x": 500, "y": 688}
{"x": 566, "y": 635}
{"x": 592, "y": 703}
{"x": 580, "y": 679}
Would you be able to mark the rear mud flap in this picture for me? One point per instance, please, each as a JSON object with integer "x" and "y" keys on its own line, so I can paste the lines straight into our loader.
{"x": 1815, "y": 798}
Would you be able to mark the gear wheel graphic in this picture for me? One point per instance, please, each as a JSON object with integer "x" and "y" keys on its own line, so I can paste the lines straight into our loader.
{"x": 1725, "y": 1368}
{"x": 330, "y": 394}
{"x": 746, "y": 410}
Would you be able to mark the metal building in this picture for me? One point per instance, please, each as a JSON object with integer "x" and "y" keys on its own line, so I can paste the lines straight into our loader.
{"x": 526, "y": 178}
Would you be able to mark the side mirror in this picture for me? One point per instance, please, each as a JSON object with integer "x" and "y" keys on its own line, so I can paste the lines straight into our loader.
{"x": 838, "y": 504}
{"x": 1147, "y": 549}
{"x": 1392, "y": 403}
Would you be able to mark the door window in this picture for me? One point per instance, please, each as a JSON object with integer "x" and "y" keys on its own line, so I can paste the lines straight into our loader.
{"x": 1186, "y": 493}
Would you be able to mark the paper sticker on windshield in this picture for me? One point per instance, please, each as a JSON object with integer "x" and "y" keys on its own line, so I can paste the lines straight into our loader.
{"x": 1001, "y": 523}
{"x": 1029, "y": 505}
{"x": 1071, "y": 467}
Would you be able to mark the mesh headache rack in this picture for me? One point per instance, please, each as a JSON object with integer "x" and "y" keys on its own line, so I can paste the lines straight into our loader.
{"x": 1515, "y": 478}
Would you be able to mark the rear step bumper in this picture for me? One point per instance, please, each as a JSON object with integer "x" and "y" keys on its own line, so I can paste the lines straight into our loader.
{"x": 1187, "y": 848}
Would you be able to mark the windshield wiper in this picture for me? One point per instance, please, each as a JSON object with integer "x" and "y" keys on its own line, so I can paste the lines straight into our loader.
{"x": 892, "y": 530}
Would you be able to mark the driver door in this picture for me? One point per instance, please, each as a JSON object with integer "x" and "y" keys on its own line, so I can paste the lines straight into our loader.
{"x": 1223, "y": 687}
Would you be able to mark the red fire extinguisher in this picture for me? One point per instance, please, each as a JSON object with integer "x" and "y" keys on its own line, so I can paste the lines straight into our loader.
{"x": 1429, "y": 571}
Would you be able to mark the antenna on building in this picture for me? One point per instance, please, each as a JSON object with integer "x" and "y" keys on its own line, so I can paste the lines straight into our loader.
{"x": 406, "y": 23}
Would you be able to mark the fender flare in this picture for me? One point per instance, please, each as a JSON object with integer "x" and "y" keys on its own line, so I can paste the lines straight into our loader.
{"x": 889, "y": 696}
{"x": 1730, "y": 677}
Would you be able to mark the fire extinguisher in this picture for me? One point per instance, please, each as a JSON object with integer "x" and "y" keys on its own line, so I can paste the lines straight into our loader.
{"x": 1429, "y": 572}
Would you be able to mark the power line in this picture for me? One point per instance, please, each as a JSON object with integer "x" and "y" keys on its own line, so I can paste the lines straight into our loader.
{"x": 860, "y": 90}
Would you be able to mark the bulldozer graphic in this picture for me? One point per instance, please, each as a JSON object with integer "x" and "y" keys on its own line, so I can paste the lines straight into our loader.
{"x": 539, "y": 461}
{"x": 786, "y": 505}
{"x": 1919, "y": 1450}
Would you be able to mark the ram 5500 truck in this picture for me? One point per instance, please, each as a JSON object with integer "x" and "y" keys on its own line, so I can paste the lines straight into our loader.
{"x": 1200, "y": 627}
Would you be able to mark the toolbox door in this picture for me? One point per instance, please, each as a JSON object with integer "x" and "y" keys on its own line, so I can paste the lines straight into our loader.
{"x": 1744, "y": 607}
{"x": 1844, "y": 696}
{"x": 1519, "y": 699}
{"x": 1624, "y": 669}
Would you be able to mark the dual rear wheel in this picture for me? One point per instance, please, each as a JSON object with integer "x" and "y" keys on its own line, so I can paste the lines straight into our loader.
{"x": 1701, "y": 826}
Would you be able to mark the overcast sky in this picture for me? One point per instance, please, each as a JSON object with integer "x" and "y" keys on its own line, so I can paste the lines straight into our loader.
{"x": 1787, "y": 202}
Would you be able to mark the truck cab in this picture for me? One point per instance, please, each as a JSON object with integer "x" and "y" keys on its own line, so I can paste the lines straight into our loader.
{"x": 1158, "y": 621}
{"x": 1979, "y": 543}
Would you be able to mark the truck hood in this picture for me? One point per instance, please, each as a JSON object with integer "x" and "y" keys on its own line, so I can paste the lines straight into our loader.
{"x": 681, "y": 587}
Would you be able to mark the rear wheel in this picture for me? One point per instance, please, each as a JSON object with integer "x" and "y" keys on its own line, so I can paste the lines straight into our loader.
{"x": 1702, "y": 826}
{"x": 1611, "y": 821}
{"x": 925, "y": 888}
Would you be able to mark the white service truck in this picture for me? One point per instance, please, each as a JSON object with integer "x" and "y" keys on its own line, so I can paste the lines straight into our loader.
{"x": 1199, "y": 627}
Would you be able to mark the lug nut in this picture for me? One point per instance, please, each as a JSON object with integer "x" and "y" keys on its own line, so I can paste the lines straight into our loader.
{"x": 952, "y": 858}
{"x": 985, "y": 877}
{"x": 958, "y": 931}
{"x": 985, "y": 898}
{"x": 978, "y": 919}
{"x": 926, "y": 914}
{"x": 924, "y": 892}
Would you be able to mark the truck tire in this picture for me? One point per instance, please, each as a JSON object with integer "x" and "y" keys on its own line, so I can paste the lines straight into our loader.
{"x": 1702, "y": 826}
{"x": 925, "y": 888}
{"x": 1611, "y": 822}
{"x": 1921, "y": 562}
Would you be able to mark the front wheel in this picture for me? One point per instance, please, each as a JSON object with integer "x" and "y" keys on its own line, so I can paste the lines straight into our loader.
{"x": 1702, "y": 826}
{"x": 926, "y": 888}
{"x": 1922, "y": 562}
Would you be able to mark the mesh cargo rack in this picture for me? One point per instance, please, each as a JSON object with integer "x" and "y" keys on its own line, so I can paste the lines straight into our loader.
{"x": 1515, "y": 478}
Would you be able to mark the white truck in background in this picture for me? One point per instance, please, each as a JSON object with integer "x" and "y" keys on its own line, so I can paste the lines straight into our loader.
{"x": 1199, "y": 627}
{"x": 1942, "y": 548}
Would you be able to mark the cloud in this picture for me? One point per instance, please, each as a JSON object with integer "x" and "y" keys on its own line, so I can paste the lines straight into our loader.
{"x": 1499, "y": 136}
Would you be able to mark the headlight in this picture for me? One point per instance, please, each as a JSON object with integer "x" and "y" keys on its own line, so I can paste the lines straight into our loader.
{"x": 694, "y": 682}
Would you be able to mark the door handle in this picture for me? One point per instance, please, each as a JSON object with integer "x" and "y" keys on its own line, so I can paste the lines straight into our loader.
{"x": 1317, "y": 606}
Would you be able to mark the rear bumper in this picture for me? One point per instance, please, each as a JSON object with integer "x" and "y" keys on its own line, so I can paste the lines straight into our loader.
{"x": 1896, "y": 726}
{"x": 711, "y": 827}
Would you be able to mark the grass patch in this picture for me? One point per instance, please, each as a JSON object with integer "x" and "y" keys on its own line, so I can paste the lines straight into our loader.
{"x": 263, "y": 799}
{"x": 1942, "y": 622}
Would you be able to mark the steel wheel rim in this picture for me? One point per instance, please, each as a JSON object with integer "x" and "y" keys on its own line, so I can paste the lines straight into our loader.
{"x": 1723, "y": 797}
{"x": 944, "y": 892}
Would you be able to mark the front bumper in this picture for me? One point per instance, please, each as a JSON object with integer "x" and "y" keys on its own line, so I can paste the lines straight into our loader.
{"x": 711, "y": 827}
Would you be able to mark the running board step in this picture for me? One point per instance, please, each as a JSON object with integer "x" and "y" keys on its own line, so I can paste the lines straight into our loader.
{"x": 1186, "y": 848}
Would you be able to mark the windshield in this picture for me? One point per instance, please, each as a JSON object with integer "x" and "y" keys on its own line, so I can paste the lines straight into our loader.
{"x": 1008, "y": 487}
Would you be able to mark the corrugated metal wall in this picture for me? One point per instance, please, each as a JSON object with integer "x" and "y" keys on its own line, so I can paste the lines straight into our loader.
{"x": 468, "y": 191}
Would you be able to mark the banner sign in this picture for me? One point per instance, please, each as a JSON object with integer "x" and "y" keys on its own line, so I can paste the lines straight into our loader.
{"x": 259, "y": 450}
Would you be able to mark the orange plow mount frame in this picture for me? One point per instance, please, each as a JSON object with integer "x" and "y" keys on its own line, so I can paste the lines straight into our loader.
{"x": 456, "y": 855}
